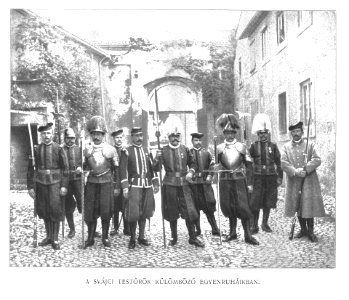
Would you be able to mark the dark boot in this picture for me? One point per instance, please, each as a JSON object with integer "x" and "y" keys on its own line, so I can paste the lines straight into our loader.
{"x": 212, "y": 221}
{"x": 48, "y": 239}
{"x": 192, "y": 236}
{"x": 70, "y": 221}
{"x": 248, "y": 236}
{"x": 132, "y": 243}
{"x": 116, "y": 224}
{"x": 173, "y": 226}
{"x": 197, "y": 226}
{"x": 91, "y": 227}
{"x": 232, "y": 230}
{"x": 141, "y": 238}
{"x": 312, "y": 237}
{"x": 127, "y": 230}
{"x": 254, "y": 223}
{"x": 97, "y": 233}
{"x": 55, "y": 243}
{"x": 105, "y": 233}
{"x": 265, "y": 226}
{"x": 304, "y": 230}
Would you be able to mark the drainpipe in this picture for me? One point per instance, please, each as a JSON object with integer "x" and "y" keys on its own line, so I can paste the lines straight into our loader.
{"x": 100, "y": 84}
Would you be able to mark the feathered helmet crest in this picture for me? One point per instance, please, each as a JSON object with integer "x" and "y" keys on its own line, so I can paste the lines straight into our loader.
{"x": 96, "y": 123}
{"x": 69, "y": 132}
{"x": 228, "y": 122}
{"x": 173, "y": 125}
{"x": 261, "y": 123}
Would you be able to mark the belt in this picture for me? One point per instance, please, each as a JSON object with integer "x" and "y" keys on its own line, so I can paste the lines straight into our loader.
{"x": 198, "y": 175}
{"x": 49, "y": 171}
{"x": 99, "y": 174}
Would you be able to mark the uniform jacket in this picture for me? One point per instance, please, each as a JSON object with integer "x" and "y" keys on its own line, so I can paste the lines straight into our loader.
{"x": 51, "y": 166}
{"x": 102, "y": 161}
{"x": 266, "y": 159}
{"x": 176, "y": 162}
{"x": 73, "y": 155}
{"x": 204, "y": 161}
{"x": 136, "y": 168}
{"x": 235, "y": 156}
{"x": 292, "y": 157}
{"x": 117, "y": 177}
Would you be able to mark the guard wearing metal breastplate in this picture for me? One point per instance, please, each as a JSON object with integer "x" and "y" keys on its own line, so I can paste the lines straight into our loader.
{"x": 201, "y": 186}
{"x": 102, "y": 162}
{"x": 267, "y": 172}
{"x": 235, "y": 165}
{"x": 119, "y": 200}
{"x": 51, "y": 183}
{"x": 176, "y": 193}
{"x": 73, "y": 198}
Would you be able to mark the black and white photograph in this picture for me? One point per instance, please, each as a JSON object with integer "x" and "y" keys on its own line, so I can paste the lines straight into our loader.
{"x": 173, "y": 148}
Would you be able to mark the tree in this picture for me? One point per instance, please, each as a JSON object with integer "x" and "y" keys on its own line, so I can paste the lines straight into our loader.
{"x": 44, "y": 52}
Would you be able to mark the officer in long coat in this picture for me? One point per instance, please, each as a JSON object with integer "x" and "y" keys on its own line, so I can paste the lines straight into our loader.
{"x": 137, "y": 180}
{"x": 177, "y": 200}
{"x": 267, "y": 172}
{"x": 102, "y": 162}
{"x": 201, "y": 183}
{"x": 74, "y": 159}
{"x": 300, "y": 164}
{"x": 119, "y": 201}
{"x": 235, "y": 165}
{"x": 50, "y": 183}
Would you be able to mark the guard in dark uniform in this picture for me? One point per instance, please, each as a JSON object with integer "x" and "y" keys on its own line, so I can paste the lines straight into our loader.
{"x": 73, "y": 198}
{"x": 201, "y": 186}
{"x": 119, "y": 201}
{"x": 235, "y": 165}
{"x": 267, "y": 173}
{"x": 137, "y": 180}
{"x": 102, "y": 163}
{"x": 176, "y": 193}
{"x": 51, "y": 184}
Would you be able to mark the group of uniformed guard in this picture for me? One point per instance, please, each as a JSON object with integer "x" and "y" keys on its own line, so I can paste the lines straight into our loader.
{"x": 123, "y": 180}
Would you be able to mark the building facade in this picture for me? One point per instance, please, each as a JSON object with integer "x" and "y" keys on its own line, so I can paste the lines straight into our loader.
{"x": 285, "y": 67}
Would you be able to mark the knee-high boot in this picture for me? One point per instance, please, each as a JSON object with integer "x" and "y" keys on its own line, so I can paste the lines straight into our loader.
{"x": 133, "y": 227}
{"x": 55, "y": 242}
{"x": 173, "y": 226}
{"x": 105, "y": 232}
{"x": 197, "y": 226}
{"x": 248, "y": 237}
{"x": 70, "y": 221}
{"x": 116, "y": 224}
{"x": 192, "y": 236}
{"x": 212, "y": 221}
{"x": 265, "y": 226}
{"x": 141, "y": 237}
{"x": 312, "y": 237}
{"x": 254, "y": 223}
{"x": 304, "y": 230}
{"x": 48, "y": 239}
{"x": 91, "y": 229}
{"x": 232, "y": 230}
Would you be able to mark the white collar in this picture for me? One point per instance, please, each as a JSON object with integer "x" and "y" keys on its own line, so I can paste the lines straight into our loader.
{"x": 174, "y": 147}
{"x": 136, "y": 145}
{"x": 230, "y": 143}
{"x": 48, "y": 143}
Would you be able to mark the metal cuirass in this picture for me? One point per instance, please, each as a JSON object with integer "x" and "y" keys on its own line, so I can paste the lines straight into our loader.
{"x": 231, "y": 158}
{"x": 97, "y": 161}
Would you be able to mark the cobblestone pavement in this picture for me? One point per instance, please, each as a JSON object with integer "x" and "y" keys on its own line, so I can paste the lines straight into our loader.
{"x": 274, "y": 251}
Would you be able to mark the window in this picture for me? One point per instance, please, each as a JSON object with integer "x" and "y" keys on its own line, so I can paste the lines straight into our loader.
{"x": 305, "y": 18}
{"x": 252, "y": 56}
{"x": 240, "y": 71}
{"x": 282, "y": 113}
{"x": 265, "y": 43}
{"x": 307, "y": 106}
{"x": 280, "y": 27}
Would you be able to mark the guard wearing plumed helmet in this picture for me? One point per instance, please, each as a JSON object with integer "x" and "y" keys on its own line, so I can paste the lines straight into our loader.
{"x": 102, "y": 162}
{"x": 235, "y": 165}
{"x": 267, "y": 172}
